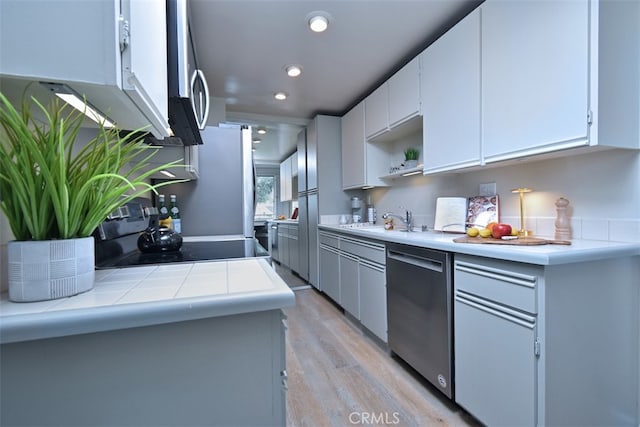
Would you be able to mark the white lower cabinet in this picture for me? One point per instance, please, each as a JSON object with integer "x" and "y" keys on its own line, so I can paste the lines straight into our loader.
{"x": 329, "y": 271}
{"x": 294, "y": 255}
{"x": 373, "y": 297}
{"x": 283, "y": 245}
{"x": 495, "y": 344}
{"x": 329, "y": 264}
{"x": 349, "y": 284}
{"x": 352, "y": 273}
{"x": 288, "y": 254}
{"x": 547, "y": 344}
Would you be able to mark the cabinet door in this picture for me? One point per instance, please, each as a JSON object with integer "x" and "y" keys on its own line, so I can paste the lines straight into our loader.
{"x": 404, "y": 93}
{"x": 329, "y": 274}
{"x": 293, "y": 160}
{"x": 301, "y": 155}
{"x": 534, "y": 77}
{"x": 495, "y": 364}
{"x": 353, "y": 148}
{"x": 312, "y": 203}
{"x": 312, "y": 155}
{"x": 293, "y": 249}
{"x": 129, "y": 86}
{"x": 144, "y": 62}
{"x": 349, "y": 285}
{"x": 373, "y": 298}
{"x": 285, "y": 180}
{"x": 451, "y": 98}
{"x": 283, "y": 244}
{"x": 376, "y": 112}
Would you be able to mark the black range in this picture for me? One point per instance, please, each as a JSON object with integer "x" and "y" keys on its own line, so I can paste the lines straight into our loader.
{"x": 116, "y": 243}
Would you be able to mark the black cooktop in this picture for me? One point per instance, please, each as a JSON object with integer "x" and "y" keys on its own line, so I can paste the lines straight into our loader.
{"x": 191, "y": 252}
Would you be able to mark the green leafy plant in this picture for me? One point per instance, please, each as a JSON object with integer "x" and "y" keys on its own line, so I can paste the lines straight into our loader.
{"x": 48, "y": 189}
{"x": 411, "y": 153}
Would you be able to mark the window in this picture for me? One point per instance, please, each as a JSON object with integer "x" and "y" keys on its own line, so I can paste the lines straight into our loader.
{"x": 265, "y": 197}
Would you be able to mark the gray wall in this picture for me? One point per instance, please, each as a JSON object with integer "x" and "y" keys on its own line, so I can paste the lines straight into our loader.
{"x": 212, "y": 204}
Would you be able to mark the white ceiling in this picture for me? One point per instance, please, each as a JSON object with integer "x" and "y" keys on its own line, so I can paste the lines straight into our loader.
{"x": 244, "y": 45}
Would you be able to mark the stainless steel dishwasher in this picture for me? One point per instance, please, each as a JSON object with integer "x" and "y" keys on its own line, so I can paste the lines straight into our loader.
{"x": 419, "y": 311}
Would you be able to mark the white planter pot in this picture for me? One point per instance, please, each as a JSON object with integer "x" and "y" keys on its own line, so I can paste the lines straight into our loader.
{"x": 50, "y": 269}
{"x": 410, "y": 164}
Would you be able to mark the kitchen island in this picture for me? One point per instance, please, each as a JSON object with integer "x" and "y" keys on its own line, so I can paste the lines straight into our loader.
{"x": 543, "y": 335}
{"x": 175, "y": 344}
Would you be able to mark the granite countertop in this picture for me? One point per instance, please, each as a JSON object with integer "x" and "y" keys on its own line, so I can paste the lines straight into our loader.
{"x": 578, "y": 251}
{"x": 150, "y": 295}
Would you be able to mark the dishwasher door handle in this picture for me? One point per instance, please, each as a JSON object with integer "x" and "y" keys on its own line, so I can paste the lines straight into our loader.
{"x": 429, "y": 264}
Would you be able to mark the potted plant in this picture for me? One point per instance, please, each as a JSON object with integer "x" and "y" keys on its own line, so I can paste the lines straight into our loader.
{"x": 55, "y": 194}
{"x": 411, "y": 157}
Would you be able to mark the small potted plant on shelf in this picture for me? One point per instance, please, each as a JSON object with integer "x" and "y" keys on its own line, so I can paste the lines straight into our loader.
{"x": 55, "y": 194}
{"x": 411, "y": 157}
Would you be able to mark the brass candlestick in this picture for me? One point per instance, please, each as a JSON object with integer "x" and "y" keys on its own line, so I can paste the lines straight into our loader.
{"x": 522, "y": 232}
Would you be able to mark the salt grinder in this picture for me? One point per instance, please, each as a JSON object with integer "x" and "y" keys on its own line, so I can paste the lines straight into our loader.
{"x": 563, "y": 226}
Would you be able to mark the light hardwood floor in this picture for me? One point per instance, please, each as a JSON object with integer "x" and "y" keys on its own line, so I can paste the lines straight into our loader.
{"x": 339, "y": 376}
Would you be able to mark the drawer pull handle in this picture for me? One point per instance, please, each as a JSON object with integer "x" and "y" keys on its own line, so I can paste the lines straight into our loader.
{"x": 522, "y": 280}
{"x": 496, "y": 309}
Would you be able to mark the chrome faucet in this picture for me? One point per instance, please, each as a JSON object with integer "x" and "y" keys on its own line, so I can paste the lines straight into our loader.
{"x": 407, "y": 220}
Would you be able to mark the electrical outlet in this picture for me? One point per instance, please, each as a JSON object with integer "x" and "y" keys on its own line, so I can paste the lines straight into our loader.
{"x": 487, "y": 189}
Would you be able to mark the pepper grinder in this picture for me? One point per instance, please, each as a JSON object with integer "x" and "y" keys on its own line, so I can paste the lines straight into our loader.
{"x": 563, "y": 226}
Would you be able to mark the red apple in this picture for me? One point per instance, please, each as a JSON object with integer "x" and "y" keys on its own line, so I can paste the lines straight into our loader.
{"x": 500, "y": 230}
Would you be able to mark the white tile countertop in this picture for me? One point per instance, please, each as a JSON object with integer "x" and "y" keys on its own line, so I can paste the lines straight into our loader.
{"x": 578, "y": 251}
{"x": 150, "y": 295}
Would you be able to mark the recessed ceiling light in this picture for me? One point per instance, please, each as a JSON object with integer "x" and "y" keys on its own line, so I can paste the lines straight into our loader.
{"x": 257, "y": 140}
{"x": 318, "y": 22}
{"x": 280, "y": 96}
{"x": 293, "y": 70}
{"x": 262, "y": 130}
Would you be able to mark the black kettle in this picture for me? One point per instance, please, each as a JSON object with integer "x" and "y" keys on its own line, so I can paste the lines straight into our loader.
{"x": 157, "y": 238}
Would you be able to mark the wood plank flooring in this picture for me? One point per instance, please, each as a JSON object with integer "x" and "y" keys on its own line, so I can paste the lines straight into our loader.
{"x": 339, "y": 376}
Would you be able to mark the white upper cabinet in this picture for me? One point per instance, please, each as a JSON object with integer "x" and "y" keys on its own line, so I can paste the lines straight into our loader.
{"x": 293, "y": 159}
{"x": 556, "y": 75}
{"x": 534, "y": 77}
{"x": 393, "y": 104}
{"x": 353, "y": 148}
{"x": 451, "y": 98}
{"x": 404, "y": 93}
{"x": 113, "y": 52}
{"x": 377, "y": 112}
{"x": 288, "y": 169}
{"x": 361, "y": 161}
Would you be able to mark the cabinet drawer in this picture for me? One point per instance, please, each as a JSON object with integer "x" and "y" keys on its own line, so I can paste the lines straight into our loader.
{"x": 329, "y": 239}
{"x": 363, "y": 249}
{"x": 502, "y": 282}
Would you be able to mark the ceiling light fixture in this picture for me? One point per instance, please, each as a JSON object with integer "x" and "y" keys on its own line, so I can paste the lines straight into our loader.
{"x": 318, "y": 22}
{"x": 257, "y": 140}
{"x": 293, "y": 70}
{"x": 262, "y": 130}
{"x": 280, "y": 96}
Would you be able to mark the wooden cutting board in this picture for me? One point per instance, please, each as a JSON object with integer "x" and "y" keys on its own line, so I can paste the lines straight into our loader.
{"x": 524, "y": 241}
